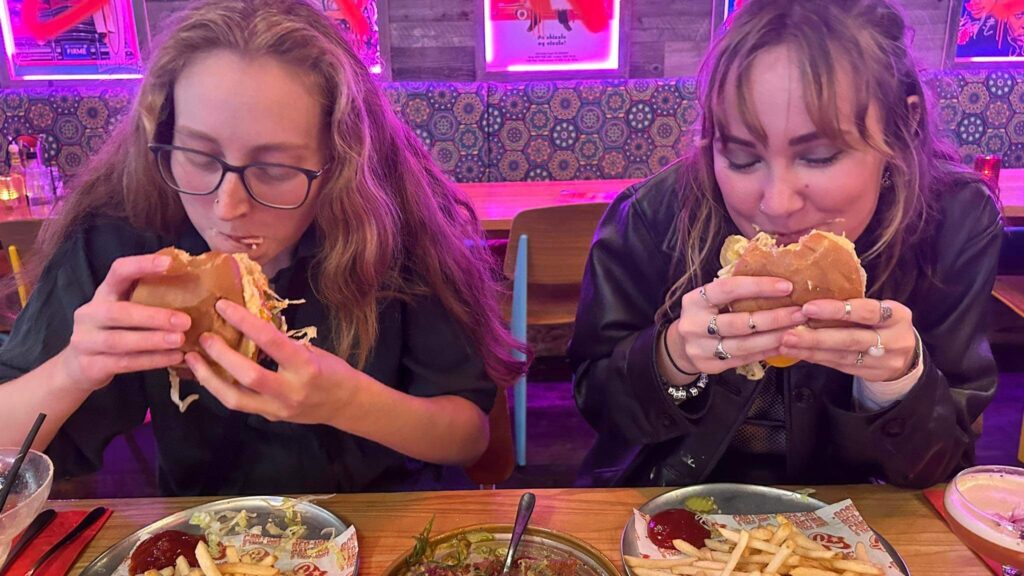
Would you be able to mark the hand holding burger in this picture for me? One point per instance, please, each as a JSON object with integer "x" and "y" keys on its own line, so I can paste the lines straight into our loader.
{"x": 745, "y": 317}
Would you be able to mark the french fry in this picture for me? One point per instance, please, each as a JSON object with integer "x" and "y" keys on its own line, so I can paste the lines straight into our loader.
{"x": 802, "y": 571}
{"x": 168, "y": 571}
{"x": 816, "y": 554}
{"x": 659, "y": 563}
{"x": 709, "y": 564}
{"x": 248, "y": 569}
{"x": 736, "y": 553}
{"x": 857, "y": 566}
{"x": 803, "y": 541}
{"x": 195, "y": 572}
{"x": 270, "y": 560}
{"x": 231, "y": 555}
{"x": 151, "y": 572}
{"x": 181, "y": 566}
{"x": 781, "y": 534}
{"x": 638, "y": 571}
{"x": 780, "y": 557}
{"x": 206, "y": 563}
{"x": 761, "y": 533}
{"x": 686, "y": 548}
{"x": 862, "y": 552}
{"x": 718, "y": 546}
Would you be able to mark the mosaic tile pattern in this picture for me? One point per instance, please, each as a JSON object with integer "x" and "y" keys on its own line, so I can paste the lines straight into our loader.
{"x": 567, "y": 130}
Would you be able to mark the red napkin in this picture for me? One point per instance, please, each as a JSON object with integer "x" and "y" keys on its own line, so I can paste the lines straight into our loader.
{"x": 936, "y": 496}
{"x": 60, "y": 563}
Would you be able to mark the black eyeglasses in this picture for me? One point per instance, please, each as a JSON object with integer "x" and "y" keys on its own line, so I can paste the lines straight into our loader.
{"x": 197, "y": 173}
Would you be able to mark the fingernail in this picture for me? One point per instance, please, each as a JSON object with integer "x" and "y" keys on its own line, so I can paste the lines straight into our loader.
{"x": 799, "y": 317}
{"x": 162, "y": 261}
{"x": 220, "y": 306}
{"x": 180, "y": 321}
{"x": 784, "y": 286}
{"x": 174, "y": 339}
{"x": 811, "y": 310}
{"x": 205, "y": 339}
{"x": 790, "y": 340}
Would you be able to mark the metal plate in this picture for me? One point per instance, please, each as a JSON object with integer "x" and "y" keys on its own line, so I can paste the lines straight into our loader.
{"x": 598, "y": 563}
{"x": 313, "y": 516}
{"x": 736, "y": 499}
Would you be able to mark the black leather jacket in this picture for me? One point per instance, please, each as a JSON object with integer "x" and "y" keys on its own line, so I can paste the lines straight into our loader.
{"x": 644, "y": 438}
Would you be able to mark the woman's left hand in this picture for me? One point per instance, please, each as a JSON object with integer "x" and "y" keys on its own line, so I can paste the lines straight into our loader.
{"x": 308, "y": 387}
{"x": 880, "y": 348}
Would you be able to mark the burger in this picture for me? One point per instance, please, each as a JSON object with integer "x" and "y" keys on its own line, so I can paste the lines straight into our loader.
{"x": 821, "y": 265}
{"x": 193, "y": 285}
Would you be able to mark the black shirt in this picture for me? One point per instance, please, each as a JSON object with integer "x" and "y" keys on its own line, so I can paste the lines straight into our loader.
{"x": 209, "y": 449}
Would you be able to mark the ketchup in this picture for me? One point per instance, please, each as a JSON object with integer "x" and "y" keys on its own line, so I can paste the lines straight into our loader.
{"x": 162, "y": 549}
{"x": 676, "y": 524}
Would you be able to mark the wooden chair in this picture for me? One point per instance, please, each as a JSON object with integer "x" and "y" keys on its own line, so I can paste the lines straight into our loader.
{"x": 547, "y": 253}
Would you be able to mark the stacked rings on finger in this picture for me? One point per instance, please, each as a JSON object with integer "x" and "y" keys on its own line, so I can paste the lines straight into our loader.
{"x": 713, "y": 325}
{"x": 884, "y": 312}
{"x": 847, "y": 309}
{"x": 878, "y": 349}
{"x": 750, "y": 323}
{"x": 720, "y": 352}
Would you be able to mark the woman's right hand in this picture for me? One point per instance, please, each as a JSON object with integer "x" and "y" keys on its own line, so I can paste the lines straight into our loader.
{"x": 744, "y": 337}
{"x": 113, "y": 336}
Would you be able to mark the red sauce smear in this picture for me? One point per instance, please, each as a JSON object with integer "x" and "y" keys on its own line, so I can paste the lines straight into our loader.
{"x": 162, "y": 549}
{"x": 676, "y": 524}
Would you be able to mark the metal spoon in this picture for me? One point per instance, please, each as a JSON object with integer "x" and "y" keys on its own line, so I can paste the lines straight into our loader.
{"x": 526, "y": 503}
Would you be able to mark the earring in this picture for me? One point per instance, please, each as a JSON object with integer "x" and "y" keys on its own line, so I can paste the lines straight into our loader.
{"x": 887, "y": 177}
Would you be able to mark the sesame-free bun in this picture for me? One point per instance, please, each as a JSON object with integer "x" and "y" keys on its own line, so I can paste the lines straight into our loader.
{"x": 821, "y": 265}
{"x": 193, "y": 285}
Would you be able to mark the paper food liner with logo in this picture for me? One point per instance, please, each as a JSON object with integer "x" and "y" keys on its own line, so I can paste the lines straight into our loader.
{"x": 837, "y": 527}
{"x": 301, "y": 557}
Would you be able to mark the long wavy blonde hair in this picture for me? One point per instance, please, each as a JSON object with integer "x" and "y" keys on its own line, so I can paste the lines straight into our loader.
{"x": 392, "y": 225}
{"x": 828, "y": 39}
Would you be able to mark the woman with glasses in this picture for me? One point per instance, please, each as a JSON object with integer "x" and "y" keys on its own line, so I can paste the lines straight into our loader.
{"x": 258, "y": 130}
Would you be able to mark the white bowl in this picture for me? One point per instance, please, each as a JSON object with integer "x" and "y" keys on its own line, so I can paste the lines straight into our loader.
{"x": 31, "y": 489}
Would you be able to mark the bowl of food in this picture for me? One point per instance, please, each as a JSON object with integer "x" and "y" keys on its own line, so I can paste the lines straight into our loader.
{"x": 482, "y": 548}
{"x": 28, "y": 494}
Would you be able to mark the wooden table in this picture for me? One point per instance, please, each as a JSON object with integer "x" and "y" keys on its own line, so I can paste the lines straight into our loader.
{"x": 386, "y": 523}
{"x": 497, "y": 203}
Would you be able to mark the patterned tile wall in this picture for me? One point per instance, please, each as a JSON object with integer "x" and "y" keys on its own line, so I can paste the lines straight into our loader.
{"x": 566, "y": 130}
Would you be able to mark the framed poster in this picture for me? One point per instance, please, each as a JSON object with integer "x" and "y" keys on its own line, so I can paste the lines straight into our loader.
{"x": 73, "y": 39}
{"x": 362, "y": 23}
{"x": 985, "y": 31}
{"x": 524, "y": 39}
{"x": 721, "y": 10}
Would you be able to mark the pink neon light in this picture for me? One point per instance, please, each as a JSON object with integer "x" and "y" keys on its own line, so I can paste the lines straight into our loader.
{"x": 995, "y": 59}
{"x": 81, "y": 76}
{"x": 610, "y": 63}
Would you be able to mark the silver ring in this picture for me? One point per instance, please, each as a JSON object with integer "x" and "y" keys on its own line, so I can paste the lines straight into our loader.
{"x": 847, "y": 309}
{"x": 713, "y": 325}
{"x": 750, "y": 322}
{"x": 884, "y": 312}
{"x": 878, "y": 350}
{"x": 704, "y": 296}
{"x": 860, "y": 358}
{"x": 720, "y": 352}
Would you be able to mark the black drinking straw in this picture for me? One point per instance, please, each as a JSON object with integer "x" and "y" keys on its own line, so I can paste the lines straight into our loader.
{"x": 12, "y": 474}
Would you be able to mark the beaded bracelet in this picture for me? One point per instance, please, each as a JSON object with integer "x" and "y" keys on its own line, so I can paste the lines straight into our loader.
{"x": 687, "y": 391}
